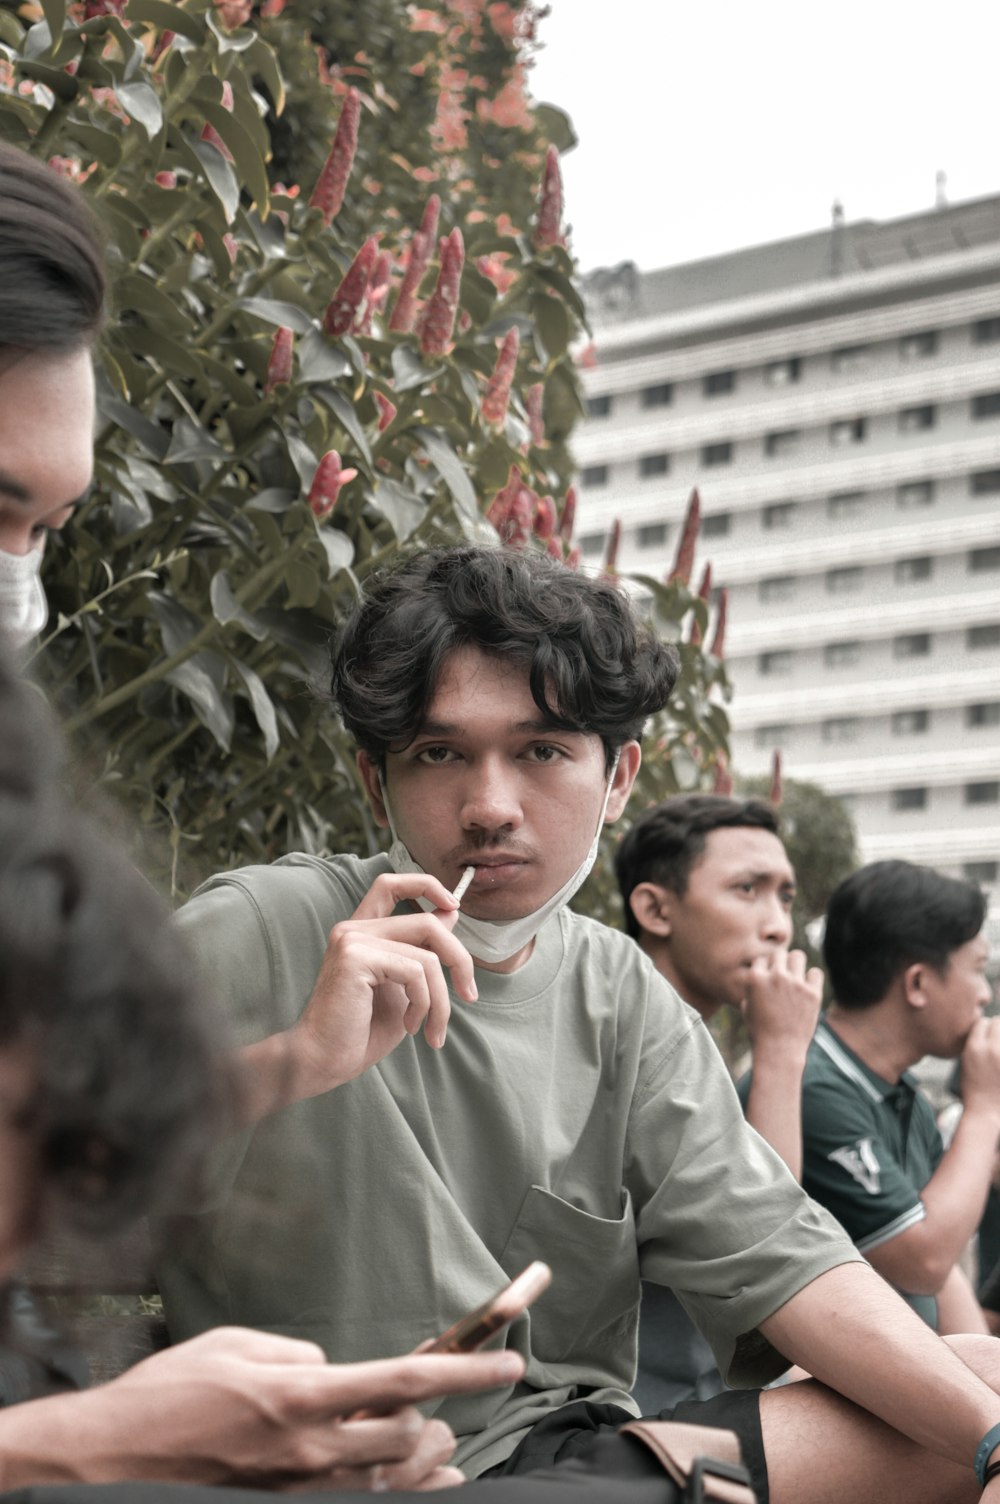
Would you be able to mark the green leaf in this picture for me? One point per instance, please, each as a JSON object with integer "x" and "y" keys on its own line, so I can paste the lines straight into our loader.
{"x": 140, "y": 293}
{"x": 556, "y": 126}
{"x": 263, "y": 61}
{"x": 302, "y": 583}
{"x": 273, "y": 499}
{"x": 100, "y": 144}
{"x": 171, "y": 356}
{"x": 151, "y": 436}
{"x": 209, "y": 162}
{"x": 338, "y": 548}
{"x": 273, "y": 312}
{"x": 348, "y": 418}
{"x": 213, "y": 709}
{"x": 319, "y": 358}
{"x": 226, "y": 608}
{"x": 167, "y": 17}
{"x": 141, "y": 102}
{"x": 55, "y": 14}
{"x": 260, "y": 702}
{"x": 189, "y": 442}
{"x": 553, "y": 277}
{"x": 63, "y": 85}
{"x": 409, "y": 370}
{"x": 450, "y": 468}
{"x": 553, "y": 326}
{"x": 247, "y": 157}
{"x": 402, "y": 508}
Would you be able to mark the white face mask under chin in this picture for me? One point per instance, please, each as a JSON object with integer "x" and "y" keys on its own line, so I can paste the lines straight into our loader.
{"x": 496, "y": 940}
{"x": 23, "y": 607}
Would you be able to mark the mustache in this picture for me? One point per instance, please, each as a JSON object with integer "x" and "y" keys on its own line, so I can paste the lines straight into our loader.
{"x": 490, "y": 845}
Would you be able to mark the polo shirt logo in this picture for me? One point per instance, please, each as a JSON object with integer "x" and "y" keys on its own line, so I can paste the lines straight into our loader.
{"x": 860, "y": 1163}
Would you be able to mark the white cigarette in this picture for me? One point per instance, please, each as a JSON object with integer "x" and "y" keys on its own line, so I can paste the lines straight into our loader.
{"x": 463, "y": 883}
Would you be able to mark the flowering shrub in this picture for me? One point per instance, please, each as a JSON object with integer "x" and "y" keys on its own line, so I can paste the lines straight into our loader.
{"x": 328, "y": 342}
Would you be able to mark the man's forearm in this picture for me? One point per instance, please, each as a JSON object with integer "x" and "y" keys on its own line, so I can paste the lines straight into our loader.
{"x": 958, "y": 1308}
{"x": 855, "y": 1334}
{"x": 774, "y": 1105}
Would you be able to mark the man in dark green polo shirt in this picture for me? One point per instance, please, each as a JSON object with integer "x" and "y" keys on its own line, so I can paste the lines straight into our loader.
{"x": 906, "y": 962}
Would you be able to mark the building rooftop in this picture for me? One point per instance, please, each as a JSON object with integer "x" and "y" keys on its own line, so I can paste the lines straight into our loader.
{"x": 623, "y": 293}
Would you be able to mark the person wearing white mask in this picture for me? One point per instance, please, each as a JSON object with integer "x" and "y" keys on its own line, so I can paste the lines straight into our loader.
{"x": 52, "y": 292}
{"x": 432, "y": 1104}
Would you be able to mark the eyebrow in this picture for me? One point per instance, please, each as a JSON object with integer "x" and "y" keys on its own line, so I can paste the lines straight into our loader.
{"x": 14, "y": 490}
{"x": 519, "y": 728}
{"x": 756, "y": 875}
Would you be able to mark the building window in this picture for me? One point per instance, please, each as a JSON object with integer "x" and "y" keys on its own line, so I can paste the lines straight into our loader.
{"x": 984, "y": 482}
{"x": 842, "y": 654}
{"x": 592, "y": 543}
{"x": 986, "y": 405}
{"x": 779, "y": 662}
{"x": 845, "y": 504}
{"x": 783, "y": 372}
{"x": 716, "y": 454}
{"x": 910, "y": 722}
{"x": 904, "y": 799}
{"x": 986, "y": 331}
{"x": 842, "y": 728}
{"x": 982, "y": 559}
{"x": 777, "y": 735}
{"x": 917, "y": 346}
{"x": 653, "y": 464}
{"x": 848, "y": 431}
{"x": 657, "y": 396}
{"x": 776, "y": 587}
{"x": 913, "y": 419}
{"x": 783, "y": 441}
{"x": 599, "y": 407}
{"x": 907, "y": 571}
{"x": 652, "y": 534}
{"x": 982, "y": 793}
{"x": 915, "y": 493}
{"x": 843, "y": 581}
{"x": 981, "y": 872}
{"x": 911, "y": 645}
{"x": 780, "y": 514}
{"x": 849, "y": 358}
{"x": 983, "y": 637}
{"x": 594, "y": 475}
{"x": 716, "y": 524}
{"x": 986, "y": 713}
{"x": 717, "y": 383}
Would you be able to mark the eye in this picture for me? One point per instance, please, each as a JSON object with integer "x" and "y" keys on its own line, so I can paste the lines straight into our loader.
{"x": 544, "y": 752}
{"x": 436, "y": 756}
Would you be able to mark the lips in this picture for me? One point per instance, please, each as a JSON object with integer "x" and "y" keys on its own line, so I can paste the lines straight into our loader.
{"x": 493, "y": 871}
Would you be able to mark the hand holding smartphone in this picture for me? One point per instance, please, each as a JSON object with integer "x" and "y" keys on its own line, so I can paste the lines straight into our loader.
{"x": 475, "y": 1328}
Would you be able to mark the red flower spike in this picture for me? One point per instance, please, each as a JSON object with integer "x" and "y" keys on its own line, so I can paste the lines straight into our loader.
{"x": 405, "y": 312}
{"x": 494, "y": 404}
{"x": 328, "y": 195}
{"x": 568, "y": 517}
{"x": 346, "y": 304}
{"x": 375, "y": 294}
{"x": 777, "y": 791}
{"x": 684, "y": 561}
{"x": 723, "y": 781}
{"x": 548, "y": 230}
{"x": 614, "y": 543}
{"x": 166, "y": 179}
{"x": 554, "y": 549}
{"x": 573, "y": 558}
{"x": 233, "y": 13}
{"x": 163, "y": 45}
{"x": 232, "y": 246}
{"x": 545, "y": 519}
{"x": 227, "y": 95}
{"x": 279, "y": 365}
{"x": 386, "y": 411}
{"x": 211, "y": 135}
{"x": 533, "y": 403}
{"x": 704, "y": 591}
{"x": 326, "y": 485}
{"x": 429, "y": 221}
{"x": 94, "y": 8}
{"x": 439, "y": 316}
{"x": 719, "y": 640}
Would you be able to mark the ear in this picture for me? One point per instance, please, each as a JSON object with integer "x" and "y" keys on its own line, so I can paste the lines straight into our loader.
{"x": 621, "y": 785}
{"x": 913, "y": 983}
{"x": 652, "y": 908}
{"x": 373, "y": 788}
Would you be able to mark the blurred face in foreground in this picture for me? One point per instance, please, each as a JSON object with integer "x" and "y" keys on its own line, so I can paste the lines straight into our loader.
{"x": 46, "y": 443}
{"x": 20, "y": 1157}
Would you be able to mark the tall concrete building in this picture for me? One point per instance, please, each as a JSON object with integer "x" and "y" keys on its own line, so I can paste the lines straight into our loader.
{"x": 836, "y": 399}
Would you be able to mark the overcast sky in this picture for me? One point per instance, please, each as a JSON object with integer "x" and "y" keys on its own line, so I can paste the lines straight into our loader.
{"x": 706, "y": 125}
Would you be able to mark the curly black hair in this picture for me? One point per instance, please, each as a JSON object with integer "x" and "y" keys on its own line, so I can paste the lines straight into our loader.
{"x": 52, "y": 271}
{"x": 97, "y": 985}
{"x": 592, "y": 665}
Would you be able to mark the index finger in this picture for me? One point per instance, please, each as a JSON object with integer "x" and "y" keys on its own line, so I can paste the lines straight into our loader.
{"x": 386, "y": 1384}
{"x": 392, "y": 888}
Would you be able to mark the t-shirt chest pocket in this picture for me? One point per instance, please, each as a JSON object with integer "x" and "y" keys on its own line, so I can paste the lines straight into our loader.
{"x": 590, "y": 1309}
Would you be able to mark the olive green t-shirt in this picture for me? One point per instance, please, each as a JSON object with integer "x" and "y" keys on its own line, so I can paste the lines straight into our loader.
{"x": 578, "y": 1113}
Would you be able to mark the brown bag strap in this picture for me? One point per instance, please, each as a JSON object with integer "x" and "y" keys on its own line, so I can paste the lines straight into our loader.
{"x": 704, "y": 1456}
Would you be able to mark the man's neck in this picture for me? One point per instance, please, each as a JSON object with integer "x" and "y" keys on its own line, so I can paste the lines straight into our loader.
{"x": 874, "y": 1036}
{"x": 659, "y": 953}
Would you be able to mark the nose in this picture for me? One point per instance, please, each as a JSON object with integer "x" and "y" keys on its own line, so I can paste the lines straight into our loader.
{"x": 491, "y": 799}
{"x": 777, "y": 920}
{"x": 16, "y": 537}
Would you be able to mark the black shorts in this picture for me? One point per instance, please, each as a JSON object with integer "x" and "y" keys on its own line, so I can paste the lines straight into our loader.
{"x": 580, "y": 1433}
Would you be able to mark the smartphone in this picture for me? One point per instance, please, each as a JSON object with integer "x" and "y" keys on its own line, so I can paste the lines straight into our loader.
{"x": 478, "y": 1326}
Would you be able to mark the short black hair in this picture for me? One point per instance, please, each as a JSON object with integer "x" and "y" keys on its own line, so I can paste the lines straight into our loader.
{"x": 94, "y": 980}
{"x": 52, "y": 267}
{"x": 891, "y": 915}
{"x": 666, "y": 841}
{"x": 592, "y": 665}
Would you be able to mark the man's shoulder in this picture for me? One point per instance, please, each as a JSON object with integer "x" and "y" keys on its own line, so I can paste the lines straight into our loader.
{"x": 602, "y": 956}
{"x": 319, "y": 883}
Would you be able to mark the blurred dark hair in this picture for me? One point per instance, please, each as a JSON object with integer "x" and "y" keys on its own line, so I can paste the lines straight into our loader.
{"x": 52, "y": 271}
{"x": 94, "y": 980}
{"x": 591, "y": 664}
{"x": 891, "y": 915}
{"x": 666, "y": 841}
